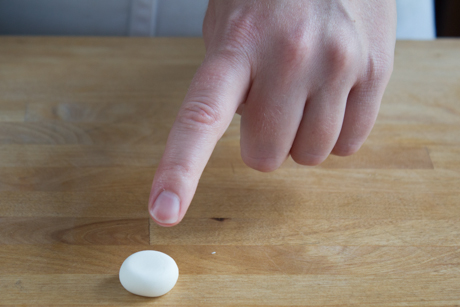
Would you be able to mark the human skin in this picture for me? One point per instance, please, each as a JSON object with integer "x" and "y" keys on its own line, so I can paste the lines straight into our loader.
{"x": 307, "y": 78}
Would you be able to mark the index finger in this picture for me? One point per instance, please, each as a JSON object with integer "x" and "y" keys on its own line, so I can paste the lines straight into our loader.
{"x": 217, "y": 89}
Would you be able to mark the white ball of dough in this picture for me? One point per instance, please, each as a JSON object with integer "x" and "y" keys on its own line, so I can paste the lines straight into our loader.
{"x": 149, "y": 273}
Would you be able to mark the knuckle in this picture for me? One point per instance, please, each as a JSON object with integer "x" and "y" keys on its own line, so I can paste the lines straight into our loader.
{"x": 342, "y": 55}
{"x": 185, "y": 169}
{"x": 239, "y": 35}
{"x": 379, "y": 67}
{"x": 295, "y": 49}
{"x": 199, "y": 114}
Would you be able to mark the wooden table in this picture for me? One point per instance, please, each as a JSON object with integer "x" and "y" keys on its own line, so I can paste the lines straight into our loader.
{"x": 83, "y": 123}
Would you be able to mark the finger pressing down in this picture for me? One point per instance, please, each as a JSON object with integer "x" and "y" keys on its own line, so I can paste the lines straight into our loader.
{"x": 217, "y": 89}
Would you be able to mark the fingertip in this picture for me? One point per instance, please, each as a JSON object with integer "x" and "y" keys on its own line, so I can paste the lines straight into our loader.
{"x": 307, "y": 159}
{"x": 261, "y": 164}
{"x": 165, "y": 210}
{"x": 344, "y": 150}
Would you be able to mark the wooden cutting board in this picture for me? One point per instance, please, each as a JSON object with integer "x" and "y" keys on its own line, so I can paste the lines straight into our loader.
{"x": 83, "y": 123}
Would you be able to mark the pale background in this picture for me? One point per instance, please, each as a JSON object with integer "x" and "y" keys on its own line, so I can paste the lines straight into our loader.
{"x": 154, "y": 17}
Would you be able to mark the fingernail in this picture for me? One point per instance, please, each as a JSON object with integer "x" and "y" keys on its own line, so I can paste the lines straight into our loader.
{"x": 166, "y": 208}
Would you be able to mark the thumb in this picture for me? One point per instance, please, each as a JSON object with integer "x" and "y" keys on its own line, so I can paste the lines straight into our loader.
{"x": 217, "y": 88}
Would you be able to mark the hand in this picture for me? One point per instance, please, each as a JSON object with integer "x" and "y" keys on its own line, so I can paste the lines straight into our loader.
{"x": 307, "y": 78}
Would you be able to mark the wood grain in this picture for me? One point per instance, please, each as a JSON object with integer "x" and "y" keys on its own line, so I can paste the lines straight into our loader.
{"x": 280, "y": 231}
{"x": 83, "y": 124}
{"x": 228, "y": 290}
{"x": 445, "y": 157}
{"x": 366, "y": 260}
{"x": 79, "y": 155}
{"x": 116, "y": 204}
{"x": 79, "y": 231}
{"x": 12, "y": 111}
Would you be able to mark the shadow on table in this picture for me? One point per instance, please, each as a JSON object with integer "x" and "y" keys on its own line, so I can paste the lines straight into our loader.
{"x": 110, "y": 290}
